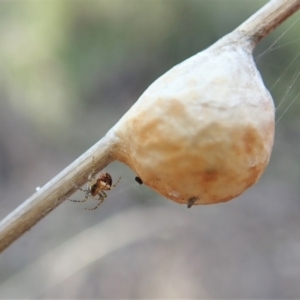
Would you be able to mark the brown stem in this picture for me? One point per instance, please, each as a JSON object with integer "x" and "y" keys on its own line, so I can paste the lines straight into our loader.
{"x": 265, "y": 20}
{"x": 55, "y": 191}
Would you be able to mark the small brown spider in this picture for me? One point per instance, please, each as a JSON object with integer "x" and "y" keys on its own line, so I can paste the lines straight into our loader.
{"x": 96, "y": 186}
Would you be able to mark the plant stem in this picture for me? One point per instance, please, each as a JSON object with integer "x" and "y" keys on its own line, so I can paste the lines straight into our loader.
{"x": 55, "y": 191}
{"x": 265, "y": 20}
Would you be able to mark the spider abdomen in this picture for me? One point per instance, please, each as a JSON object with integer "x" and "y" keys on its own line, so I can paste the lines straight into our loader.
{"x": 103, "y": 183}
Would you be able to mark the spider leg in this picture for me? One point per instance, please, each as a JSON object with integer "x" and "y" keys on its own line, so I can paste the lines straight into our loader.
{"x": 116, "y": 183}
{"x": 85, "y": 198}
{"x": 93, "y": 168}
{"x": 102, "y": 195}
{"x": 78, "y": 187}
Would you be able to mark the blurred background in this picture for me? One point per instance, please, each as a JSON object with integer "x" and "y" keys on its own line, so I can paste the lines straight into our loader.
{"x": 68, "y": 71}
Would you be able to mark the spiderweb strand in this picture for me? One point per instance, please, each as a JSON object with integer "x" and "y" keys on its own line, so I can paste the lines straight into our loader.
{"x": 296, "y": 76}
{"x": 271, "y": 47}
{"x": 288, "y": 107}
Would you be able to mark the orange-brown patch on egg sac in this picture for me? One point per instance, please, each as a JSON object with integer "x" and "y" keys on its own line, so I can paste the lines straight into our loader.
{"x": 214, "y": 163}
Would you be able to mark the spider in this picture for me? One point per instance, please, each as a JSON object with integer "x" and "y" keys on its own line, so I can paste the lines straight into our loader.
{"x": 96, "y": 186}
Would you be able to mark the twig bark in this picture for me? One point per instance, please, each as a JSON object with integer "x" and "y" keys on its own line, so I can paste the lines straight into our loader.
{"x": 268, "y": 18}
{"x": 59, "y": 188}
{"x": 55, "y": 191}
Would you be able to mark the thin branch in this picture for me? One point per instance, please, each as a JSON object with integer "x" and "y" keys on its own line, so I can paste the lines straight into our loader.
{"x": 55, "y": 191}
{"x": 60, "y": 187}
{"x": 268, "y": 18}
